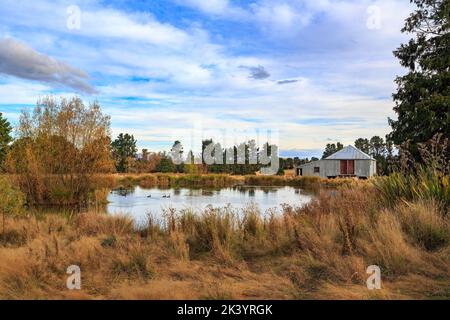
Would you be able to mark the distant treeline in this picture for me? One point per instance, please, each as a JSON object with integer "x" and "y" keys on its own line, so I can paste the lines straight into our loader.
{"x": 128, "y": 160}
{"x": 234, "y": 160}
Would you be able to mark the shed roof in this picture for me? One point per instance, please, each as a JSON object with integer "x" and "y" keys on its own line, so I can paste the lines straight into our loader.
{"x": 349, "y": 153}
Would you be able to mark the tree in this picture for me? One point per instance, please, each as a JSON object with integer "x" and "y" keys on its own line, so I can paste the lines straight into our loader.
{"x": 5, "y": 138}
{"x": 363, "y": 145}
{"x": 59, "y": 149}
{"x": 332, "y": 148}
{"x": 378, "y": 151}
{"x": 422, "y": 100}
{"x": 123, "y": 150}
{"x": 377, "y": 147}
{"x": 147, "y": 163}
{"x": 166, "y": 164}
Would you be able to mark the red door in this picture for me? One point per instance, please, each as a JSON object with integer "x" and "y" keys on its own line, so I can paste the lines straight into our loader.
{"x": 343, "y": 166}
{"x": 351, "y": 167}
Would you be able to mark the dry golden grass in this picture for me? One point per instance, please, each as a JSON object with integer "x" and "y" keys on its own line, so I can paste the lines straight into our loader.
{"x": 320, "y": 251}
{"x": 289, "y": 172}
{"x": 211, "y": 180}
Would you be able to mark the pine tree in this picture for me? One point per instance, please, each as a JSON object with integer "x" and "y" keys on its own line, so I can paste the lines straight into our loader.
{"x": 423, "y": 95}
{"x": 5, "y": 138}
{"x": 332, "y": 148}
{"x": 124, "y": 148}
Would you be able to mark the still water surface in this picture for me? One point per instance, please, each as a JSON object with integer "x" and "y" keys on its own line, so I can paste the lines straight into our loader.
{"x": 140, "y": 202}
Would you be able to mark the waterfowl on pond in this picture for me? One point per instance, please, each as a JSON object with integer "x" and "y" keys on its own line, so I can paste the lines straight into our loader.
{"x": 149, "y": 196}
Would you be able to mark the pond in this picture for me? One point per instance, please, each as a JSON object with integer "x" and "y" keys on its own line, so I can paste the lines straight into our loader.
{"x": 139, "y": 202}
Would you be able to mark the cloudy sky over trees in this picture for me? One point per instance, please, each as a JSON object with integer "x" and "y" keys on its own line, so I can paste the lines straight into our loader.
{"x": 316, "y": 71}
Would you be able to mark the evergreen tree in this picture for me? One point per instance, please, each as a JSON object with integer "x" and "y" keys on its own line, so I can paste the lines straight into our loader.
{"x": 5, "y": 138}
{"x": 377, "y": 147}
{"x": 332, "y": 148}
{"x": 363, "y": 145}
{"x": 124, "y": 149}
{"x": 423, "y": 96}
{"x": 166, "y": 164}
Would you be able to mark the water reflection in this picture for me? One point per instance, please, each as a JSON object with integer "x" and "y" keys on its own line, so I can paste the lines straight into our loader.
{"x": 138, "y": 202}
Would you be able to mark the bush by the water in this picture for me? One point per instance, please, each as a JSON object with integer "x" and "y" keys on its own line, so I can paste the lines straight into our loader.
{"x": 58, "y": 150}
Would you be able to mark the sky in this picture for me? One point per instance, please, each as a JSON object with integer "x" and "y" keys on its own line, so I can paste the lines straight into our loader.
{"x": 299, "y": 73}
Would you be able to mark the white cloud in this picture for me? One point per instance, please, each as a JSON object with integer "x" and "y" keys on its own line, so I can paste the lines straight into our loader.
{"x": 142, "y": 28}
{"x": 293, "y": 111}
{"x": 274, "y": 17}
{"x": 288, "y": 18}
{"x": 218, "y": 8}
{"x": 210, "y": 6}
{"x": 21, "y": 93}
{"x": 344, "y": 71}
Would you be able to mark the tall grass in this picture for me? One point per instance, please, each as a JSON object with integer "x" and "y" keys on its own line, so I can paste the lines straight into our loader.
{"x": 427, "y": 179}
{"x": 321, "y": 250}
{"x": 426, "y": 184}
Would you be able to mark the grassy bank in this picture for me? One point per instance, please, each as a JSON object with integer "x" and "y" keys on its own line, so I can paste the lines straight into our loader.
{"x": 319, "y": 251}
{"x": 218, "y": 181}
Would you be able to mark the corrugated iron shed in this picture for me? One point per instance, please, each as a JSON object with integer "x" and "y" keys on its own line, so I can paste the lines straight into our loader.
{"x": 349, "y": 153}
